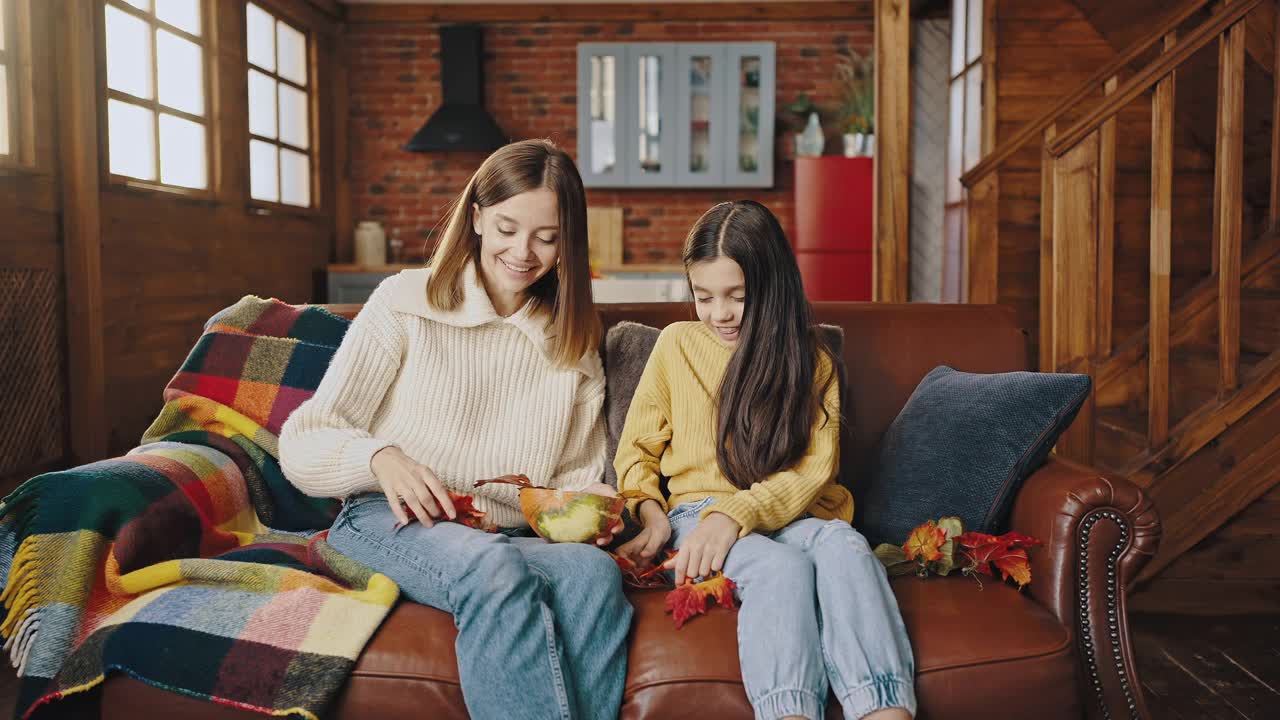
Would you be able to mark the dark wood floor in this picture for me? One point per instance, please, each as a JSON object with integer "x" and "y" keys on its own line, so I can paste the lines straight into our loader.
{"x": 1192, "y": 667}
{"x": 1209, "y": 667}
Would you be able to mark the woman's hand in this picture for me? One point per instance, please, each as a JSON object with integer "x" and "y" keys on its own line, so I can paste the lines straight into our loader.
{"x": 403, "y": 480}
{"x": 657, "y": 531}
{"x": 607, "y": 491}
{"x": 704, "y": 550}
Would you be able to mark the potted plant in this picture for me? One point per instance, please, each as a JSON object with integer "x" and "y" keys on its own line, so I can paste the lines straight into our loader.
{"x": 855, "y": 76}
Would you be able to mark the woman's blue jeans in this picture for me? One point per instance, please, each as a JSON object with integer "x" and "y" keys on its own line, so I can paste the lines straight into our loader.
{"x": 542, "y": 627}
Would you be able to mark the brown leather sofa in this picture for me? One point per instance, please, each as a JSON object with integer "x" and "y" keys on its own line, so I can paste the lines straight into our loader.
{"x": 1058, "y": 650}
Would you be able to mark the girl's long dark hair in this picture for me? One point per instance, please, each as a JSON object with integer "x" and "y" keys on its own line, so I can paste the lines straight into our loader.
{"x": 767, "y": 400}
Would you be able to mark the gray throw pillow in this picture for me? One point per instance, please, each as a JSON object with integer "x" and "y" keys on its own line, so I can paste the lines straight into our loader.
{"x": 963, "y": 445}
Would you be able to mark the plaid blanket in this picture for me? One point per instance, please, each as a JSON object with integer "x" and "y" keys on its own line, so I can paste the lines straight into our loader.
{"x": 188, "y": 563}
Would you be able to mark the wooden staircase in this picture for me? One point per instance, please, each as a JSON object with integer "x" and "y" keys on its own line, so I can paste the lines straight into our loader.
{"x": 1187, "y": 407}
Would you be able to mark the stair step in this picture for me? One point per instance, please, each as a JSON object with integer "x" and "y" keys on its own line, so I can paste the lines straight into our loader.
{"x": 1260, "y": 320}
{"x": 1120, "y": 435}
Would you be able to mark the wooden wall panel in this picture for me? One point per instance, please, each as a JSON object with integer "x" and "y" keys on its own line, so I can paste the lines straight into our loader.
{"x": 169, "y": 262}
{"x": 30, "y": 206}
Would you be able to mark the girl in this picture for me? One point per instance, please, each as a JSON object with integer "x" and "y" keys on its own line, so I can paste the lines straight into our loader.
{"x": 480, "y": 365}
{"x": 741, "y": 412}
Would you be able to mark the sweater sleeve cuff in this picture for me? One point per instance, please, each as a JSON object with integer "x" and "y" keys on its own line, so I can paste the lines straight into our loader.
{"x": 741, "y": 513}
{"x": 633, "y": 506}
{"x": 359, "y": 457}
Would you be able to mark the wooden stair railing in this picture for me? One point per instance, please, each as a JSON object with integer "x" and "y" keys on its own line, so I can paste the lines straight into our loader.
{"x": 982, "y": 212}
{"x": 1074, "y": 158}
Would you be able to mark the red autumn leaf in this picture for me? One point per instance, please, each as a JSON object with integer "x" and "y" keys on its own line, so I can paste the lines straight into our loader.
{"x": 1012, "y": 562}
{"x": 691, "y": 598}
{"x": 467, "y": 514}
{"x": 925, "y": 542}
{"x": 638, "y": 576}
{"x": 1013, "y": 540}
{"x": 974, "y": 539}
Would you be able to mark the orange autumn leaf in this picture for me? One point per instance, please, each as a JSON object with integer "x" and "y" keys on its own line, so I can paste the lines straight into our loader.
{"x": 925, "y": 542}
{"x": 1014, "y": 564}
{"x": 691, "y": 598}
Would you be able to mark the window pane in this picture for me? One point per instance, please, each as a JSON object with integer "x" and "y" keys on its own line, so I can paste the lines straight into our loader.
{"x": 128, "y": 54}
{"x": 180, "y": 67}
{"x": 955, "y": 140}
{"x": 292, "y": 52}
{"x": 293, "y": 115}
{"x": 182, "y": 152}
{"x": 261, "y": 37}
{"x": 649, "y": 106}
{"x": 972, "y": 117}
{"x": 974, "y": 31}
{"x": 140, "y": 4}
{"x": 131, "y": 140}
{"x": 749, "y": 145}
{"x": 699, "y": 113}
{"x": 4, "y": 110}
{"x": 295, "y": 178}
{"x": 603, "y": 155}
{"x": 264, "y": 171}
{"x": 262, "y": 104}
{"x": 183, "y": 14}
{"x": 957, "y": 36}
{"x": 3, "y": 10}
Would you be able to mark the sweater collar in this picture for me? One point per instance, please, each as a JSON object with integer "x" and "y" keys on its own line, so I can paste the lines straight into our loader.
{"x": 410, "y": 297}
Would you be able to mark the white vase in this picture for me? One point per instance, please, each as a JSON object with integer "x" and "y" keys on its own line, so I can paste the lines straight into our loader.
{"x": 810, "y": 141}
{"x": 859, "y": 145}
{"x": 371, "y": 244}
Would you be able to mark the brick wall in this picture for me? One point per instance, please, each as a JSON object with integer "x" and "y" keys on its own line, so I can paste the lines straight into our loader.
{"x": 531, "y": 88}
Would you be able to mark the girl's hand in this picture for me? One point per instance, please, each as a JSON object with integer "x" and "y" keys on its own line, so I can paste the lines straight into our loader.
{"x": 405, "y": 480}
{"x": 607, "y": 491}
{"x": 704, "y": 550}
{"x": 657, "y": 531}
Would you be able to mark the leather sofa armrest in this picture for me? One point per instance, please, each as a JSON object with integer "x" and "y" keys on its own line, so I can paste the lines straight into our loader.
{"x": 1099, "y": 531}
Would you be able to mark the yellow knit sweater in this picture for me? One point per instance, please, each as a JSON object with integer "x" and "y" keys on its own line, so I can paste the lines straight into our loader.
{"x": 671, "y": 430}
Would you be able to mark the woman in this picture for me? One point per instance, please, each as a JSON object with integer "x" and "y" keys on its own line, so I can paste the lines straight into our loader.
{"x": 481, "y": 365}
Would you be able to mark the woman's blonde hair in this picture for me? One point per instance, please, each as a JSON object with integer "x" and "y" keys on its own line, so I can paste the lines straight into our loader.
{"x": 566, "y": 288}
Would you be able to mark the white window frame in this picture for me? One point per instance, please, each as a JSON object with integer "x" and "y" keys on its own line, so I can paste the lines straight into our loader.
{"x": 309, "y": 89}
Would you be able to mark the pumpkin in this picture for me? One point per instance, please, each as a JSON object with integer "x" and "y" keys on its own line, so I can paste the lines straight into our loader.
{"x": 564, "y": 515}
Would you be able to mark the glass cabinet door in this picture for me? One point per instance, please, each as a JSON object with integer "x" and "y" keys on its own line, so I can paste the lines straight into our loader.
{"x": 750, "y": 115}
{"x": 701, "y": 91}
{"x": 601, "y": 104}
{"x": 652, "y": 132}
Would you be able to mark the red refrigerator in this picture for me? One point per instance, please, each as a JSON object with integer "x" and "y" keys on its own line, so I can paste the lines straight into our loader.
{"x": 833, "y": 226}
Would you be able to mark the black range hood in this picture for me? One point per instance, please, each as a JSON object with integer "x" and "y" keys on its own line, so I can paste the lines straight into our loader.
{"x": 461, "y": 122}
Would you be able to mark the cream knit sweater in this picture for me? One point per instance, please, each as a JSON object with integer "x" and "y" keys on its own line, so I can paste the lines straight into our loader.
{"x": 468, "y": 393}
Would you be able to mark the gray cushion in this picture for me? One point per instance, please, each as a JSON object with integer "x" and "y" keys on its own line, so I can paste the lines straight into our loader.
{"x": 963, "y": 445}
{"x": 627, "y": 346}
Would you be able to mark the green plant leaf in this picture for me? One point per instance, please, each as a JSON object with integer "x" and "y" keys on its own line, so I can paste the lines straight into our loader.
{"x": 891, "y": 556}
{"x": 954, "y": 528}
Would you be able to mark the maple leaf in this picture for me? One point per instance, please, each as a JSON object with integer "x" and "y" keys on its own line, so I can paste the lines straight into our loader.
{"x": 1014, "y": 564}
{"x": 974, "y": 539}
{"x": 467, "y": 514}
{"x": 638, "y": 576}
{"x": 925, "y": 542}
{"x": 691, "y": 598}
{"x": 1013, "y": 540}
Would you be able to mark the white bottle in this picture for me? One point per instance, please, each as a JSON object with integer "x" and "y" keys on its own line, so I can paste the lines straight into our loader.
{"x": 812, "y": 139}
{"x": 371, "y": 244}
